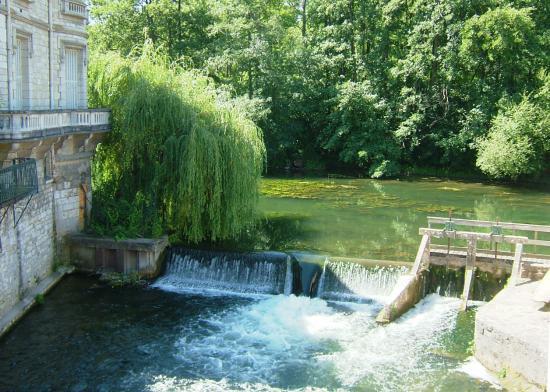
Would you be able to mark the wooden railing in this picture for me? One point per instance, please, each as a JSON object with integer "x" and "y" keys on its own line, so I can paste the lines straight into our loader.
{"x": 409, "y": 290}
{"x": 531, "y": 231}
{"x": 495, "y": 236}
{"x": 21, "y": 124}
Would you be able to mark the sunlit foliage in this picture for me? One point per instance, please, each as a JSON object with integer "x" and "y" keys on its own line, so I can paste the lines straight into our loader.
{"x": 179, "y": 159}
{"x": 441, "y": 71}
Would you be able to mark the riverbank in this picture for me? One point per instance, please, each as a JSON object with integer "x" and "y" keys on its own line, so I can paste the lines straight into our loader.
{"x": 411, "y": 173}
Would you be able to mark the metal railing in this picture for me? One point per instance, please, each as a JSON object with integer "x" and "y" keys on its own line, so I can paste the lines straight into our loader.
{"x": 18, "y": 181}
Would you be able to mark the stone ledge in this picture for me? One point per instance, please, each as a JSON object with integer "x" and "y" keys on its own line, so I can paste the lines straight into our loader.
{"x": 13, "y": 136}
{"x": 25, "y": 304}
{"x": 143, "y": 256}
{"x": 139, "y": 244}
{"x": 408, "y": 291}
{"x": 511, "y": 338}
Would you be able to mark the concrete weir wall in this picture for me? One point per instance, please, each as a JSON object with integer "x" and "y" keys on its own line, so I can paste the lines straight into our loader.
{"x": 142, "y": 256}
{"x": 408, "y": 291}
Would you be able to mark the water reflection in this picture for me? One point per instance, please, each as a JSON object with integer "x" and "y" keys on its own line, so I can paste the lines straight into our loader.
{"x": 378, "y": 219}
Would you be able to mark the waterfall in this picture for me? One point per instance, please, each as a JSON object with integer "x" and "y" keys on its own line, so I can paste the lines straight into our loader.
{"x": 240, "y": 273}
{"x": 348, "y": 281}
{"x": 298, "y": 273}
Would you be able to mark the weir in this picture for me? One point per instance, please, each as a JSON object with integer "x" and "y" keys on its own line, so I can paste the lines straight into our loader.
{"x": 245, "y": 273}
{"x": 353, "y": 282}
{"x": 295, "y": 273}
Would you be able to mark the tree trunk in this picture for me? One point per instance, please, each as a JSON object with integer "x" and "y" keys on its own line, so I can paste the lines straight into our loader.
{"x": 179, "y": 22}
{"x": 304, "y": 18}
{"x": 351, "y": 6}
{"x": 363, "y": 27}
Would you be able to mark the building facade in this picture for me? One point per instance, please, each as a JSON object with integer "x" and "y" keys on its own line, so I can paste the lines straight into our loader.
{"x": 47, "y": 138}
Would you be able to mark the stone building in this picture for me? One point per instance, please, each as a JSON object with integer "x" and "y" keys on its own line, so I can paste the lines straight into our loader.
{"x": 47, "y": 137}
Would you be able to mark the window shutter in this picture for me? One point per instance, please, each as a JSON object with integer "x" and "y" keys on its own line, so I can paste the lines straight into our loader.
{"x": 73, "y": 77}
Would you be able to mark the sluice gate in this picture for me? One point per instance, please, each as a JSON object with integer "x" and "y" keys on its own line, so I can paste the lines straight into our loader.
{"x": 470, "y": 254}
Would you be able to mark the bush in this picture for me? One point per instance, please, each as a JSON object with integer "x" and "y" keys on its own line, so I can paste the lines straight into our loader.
{"x": 518, "y": 141}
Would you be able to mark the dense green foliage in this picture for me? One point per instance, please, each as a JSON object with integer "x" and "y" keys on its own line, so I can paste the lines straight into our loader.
{"x": 519, "y": 139}
{"x": 179, "y": 159}
{"x": 373, "y": 86}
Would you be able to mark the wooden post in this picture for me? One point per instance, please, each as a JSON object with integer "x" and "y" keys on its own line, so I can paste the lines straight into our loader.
{"x": 469, "y": 273}
{"x": 421, "y": 254}
{"x": 516, "y": 267}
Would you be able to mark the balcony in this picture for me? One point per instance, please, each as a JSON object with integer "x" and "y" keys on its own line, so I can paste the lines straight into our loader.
{"x": 18, "y": 181}
{"x": 35, "y": 124}
{"x": 75, "y": 8}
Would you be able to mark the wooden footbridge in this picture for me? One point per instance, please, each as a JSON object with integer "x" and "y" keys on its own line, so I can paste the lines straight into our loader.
{"x": 480, "y": 244}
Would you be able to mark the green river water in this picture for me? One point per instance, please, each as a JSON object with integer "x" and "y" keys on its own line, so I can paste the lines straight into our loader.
{"x": 380, "y": 219}
{"x": 202, "y": 326}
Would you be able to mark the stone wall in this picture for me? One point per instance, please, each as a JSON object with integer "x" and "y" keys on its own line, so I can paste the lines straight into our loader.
{"x": 28, "y": 250}
{"x": 3, "y": 64}
{"x": 511, "y": 338}
{"x": 29, "y": 19}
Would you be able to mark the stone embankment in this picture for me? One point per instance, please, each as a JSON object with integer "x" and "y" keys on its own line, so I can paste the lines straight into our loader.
{"x": 512, "y": 337}
{"x": 31, "y": 298}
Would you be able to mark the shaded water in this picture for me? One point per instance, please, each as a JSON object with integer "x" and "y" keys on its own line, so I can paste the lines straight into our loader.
{"x": 380, "y": 219}
{"x": 90, "y": 337}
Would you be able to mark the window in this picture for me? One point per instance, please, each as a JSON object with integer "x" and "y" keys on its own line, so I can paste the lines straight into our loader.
{"x": 21, "y": 69}
{"x": 73, "y": 77}
{"x": 48, "y": 166}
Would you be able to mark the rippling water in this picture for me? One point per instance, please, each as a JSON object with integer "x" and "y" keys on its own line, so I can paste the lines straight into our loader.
{"x": 89, "y": 337}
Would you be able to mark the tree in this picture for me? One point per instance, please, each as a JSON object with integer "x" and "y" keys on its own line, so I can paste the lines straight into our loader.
{"x": 358, "y": 131}
{"x": 441, "y": 69}
{"x": 500, "y": 47}
{"x": 179, "y": 159}
{"x": 518, "y": 142}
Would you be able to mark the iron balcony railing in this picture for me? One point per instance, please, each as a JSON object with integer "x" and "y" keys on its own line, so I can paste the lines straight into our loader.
{"x": 18, "y": 181}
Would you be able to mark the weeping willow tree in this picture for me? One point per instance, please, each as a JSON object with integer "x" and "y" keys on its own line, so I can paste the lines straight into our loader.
{"x": 179, "y": 159}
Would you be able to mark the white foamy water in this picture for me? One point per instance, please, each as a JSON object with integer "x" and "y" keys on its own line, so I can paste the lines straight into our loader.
{"x": 303, "y": 344}
{"x": 220, "y": 275}
{"x": 284, "y": 342}
{"x": 345, "y": 281}
{"x": 172, "y": 384}
{"x": 475, "y": 369}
